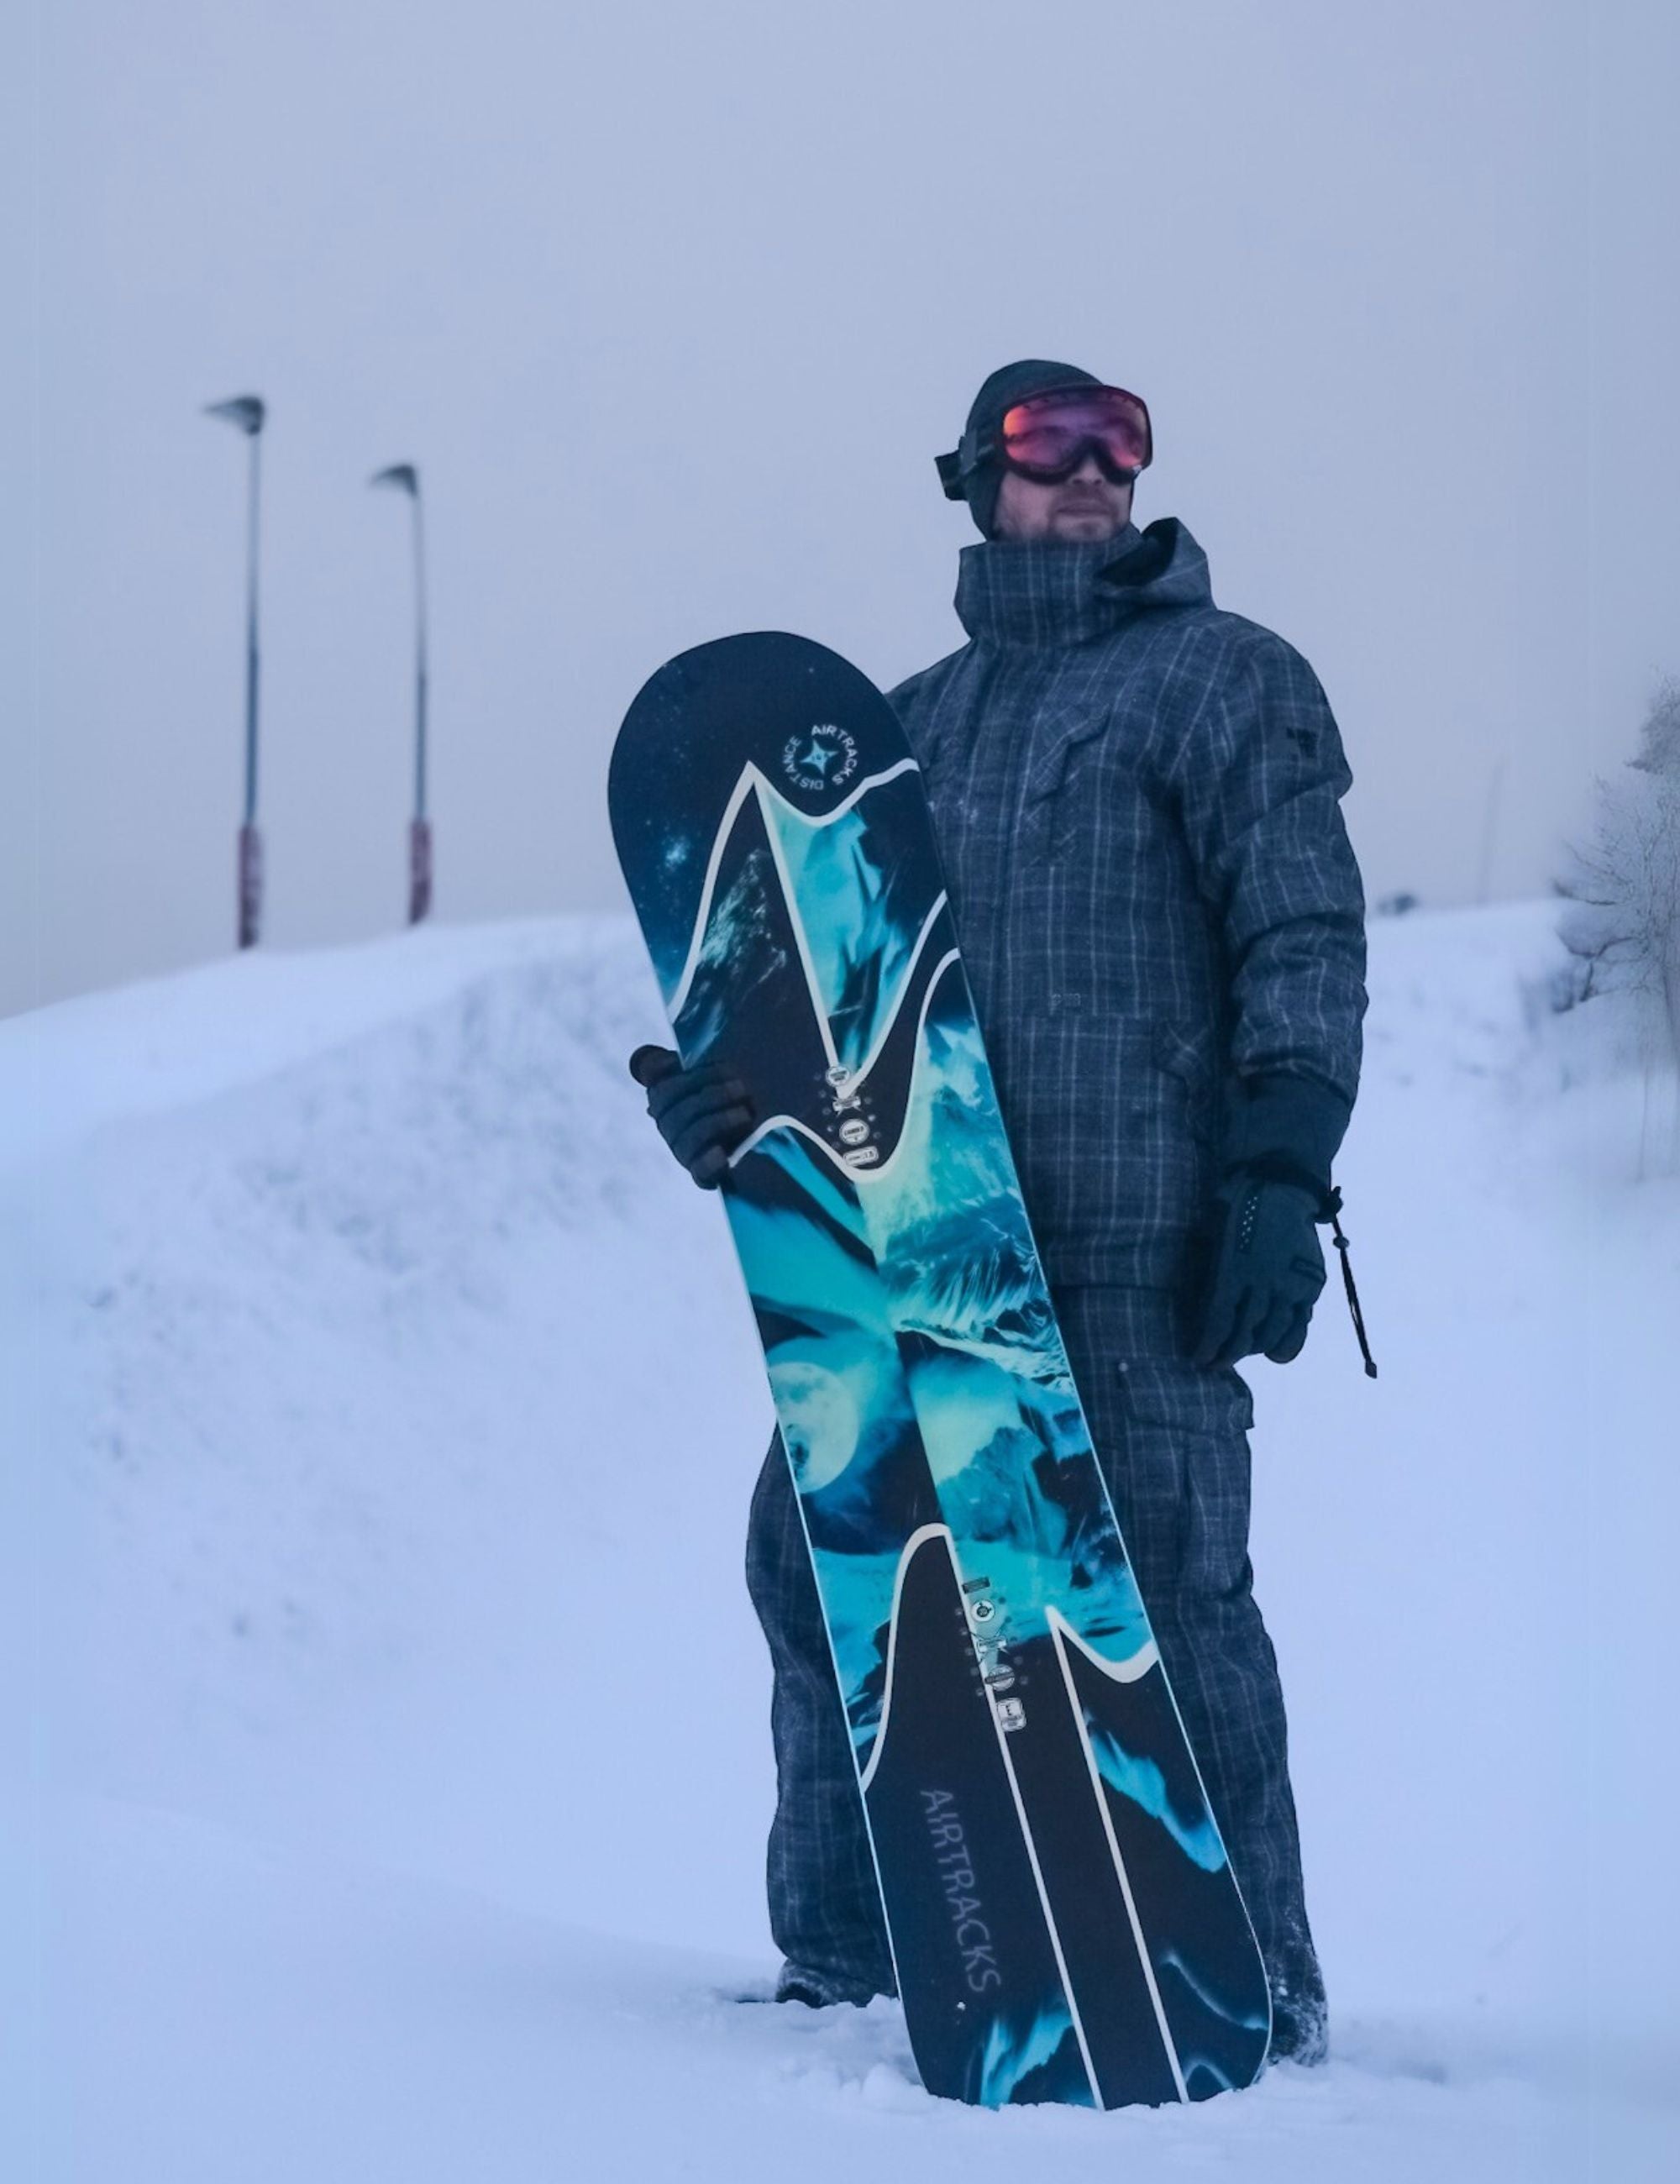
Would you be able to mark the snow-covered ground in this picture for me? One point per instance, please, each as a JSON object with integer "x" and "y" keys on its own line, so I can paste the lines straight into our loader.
{"x": 385, "y": 1766}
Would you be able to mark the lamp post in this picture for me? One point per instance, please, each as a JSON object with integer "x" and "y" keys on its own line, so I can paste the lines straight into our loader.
{"x": 248, "y": 412}
{"x": 405, "y": 478}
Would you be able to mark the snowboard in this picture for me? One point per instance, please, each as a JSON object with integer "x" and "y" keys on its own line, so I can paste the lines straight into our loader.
{"x": 1063, "y": 1918}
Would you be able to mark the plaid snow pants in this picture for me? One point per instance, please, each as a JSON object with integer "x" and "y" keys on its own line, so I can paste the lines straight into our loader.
{"x": 1172, "y": 1442}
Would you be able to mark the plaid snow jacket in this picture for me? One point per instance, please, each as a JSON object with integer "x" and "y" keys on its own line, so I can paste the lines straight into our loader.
{"x": 1137, "y": 800}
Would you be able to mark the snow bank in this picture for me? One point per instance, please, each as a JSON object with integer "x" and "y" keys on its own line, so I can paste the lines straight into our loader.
{"x": 395, "y": 1772}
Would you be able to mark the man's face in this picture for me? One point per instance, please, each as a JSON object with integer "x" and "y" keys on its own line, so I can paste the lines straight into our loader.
{"x": 1081, "y": 510}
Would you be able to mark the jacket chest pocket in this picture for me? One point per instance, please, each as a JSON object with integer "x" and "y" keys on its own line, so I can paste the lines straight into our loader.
{"x": 1190, "y": 1052}
{"x": 1057, "y": 802}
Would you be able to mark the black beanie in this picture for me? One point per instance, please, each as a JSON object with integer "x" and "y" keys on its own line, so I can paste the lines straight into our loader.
{"x": 970, "y": 473}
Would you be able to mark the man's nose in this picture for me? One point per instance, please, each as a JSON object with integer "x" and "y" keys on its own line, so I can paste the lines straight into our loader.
{"x": 1088, "y": 468}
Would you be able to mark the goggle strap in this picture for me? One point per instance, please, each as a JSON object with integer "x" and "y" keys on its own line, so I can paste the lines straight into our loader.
{"x": 951, "y": 474}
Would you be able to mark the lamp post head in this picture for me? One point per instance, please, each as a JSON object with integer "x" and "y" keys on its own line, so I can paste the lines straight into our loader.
{"x": 246, "y": 411}
{"x": 402, "y": 476}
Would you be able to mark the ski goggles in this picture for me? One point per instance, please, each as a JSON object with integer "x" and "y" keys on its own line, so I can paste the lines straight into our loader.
{"x": 1047, "y": 436}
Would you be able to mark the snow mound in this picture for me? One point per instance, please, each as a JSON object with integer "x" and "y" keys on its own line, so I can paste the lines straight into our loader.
{"x": 395, "y": 1763}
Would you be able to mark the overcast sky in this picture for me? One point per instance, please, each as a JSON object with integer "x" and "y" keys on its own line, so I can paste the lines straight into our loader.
{"x": 673, "y": 307}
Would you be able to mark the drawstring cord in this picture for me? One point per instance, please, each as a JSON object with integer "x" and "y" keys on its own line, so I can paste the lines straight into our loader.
{"x": 1332, "y": 1207}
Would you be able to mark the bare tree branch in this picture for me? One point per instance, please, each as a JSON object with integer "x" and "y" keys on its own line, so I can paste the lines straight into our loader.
{"x": 1622, "y": 922}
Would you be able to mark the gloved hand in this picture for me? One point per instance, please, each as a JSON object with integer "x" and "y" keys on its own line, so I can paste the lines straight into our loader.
{"x": 1267, "y": 1270}
{"x": 702, "y": 1113}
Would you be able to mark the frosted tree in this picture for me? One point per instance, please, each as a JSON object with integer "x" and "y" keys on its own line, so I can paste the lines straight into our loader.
{"x": 1660, "y": 739}
{"x": 1622, "y": 924}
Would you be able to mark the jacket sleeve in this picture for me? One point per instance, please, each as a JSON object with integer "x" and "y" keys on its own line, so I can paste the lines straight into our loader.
{"x": 1259, "y": 781}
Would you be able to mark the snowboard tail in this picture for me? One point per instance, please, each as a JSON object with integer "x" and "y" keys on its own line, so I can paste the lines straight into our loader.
{"x": 979, "y": 1963}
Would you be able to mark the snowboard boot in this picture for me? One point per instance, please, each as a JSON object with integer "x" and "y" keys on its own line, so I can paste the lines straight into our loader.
{"x": 819, "y": 1990}
{"x": 1300, "y": 2030}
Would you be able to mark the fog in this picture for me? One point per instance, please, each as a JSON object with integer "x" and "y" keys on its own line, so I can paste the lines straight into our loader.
{"x": 673, "y": 308}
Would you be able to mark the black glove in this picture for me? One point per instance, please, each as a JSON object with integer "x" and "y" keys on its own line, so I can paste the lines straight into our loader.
{"x": 1267, "y": 1270}
{"x": 702, "y": 1113}
{"x": 1265, "y": 1267}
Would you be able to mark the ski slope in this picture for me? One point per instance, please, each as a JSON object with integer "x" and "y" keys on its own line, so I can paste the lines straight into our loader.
{"x": 387, "y": 1766}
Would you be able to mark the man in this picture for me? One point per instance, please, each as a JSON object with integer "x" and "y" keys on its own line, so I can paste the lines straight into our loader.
{"x": 1137, "y": 800}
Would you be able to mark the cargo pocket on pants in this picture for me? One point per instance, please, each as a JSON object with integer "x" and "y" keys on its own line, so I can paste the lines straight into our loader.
{"x": 1187, "y": 1456}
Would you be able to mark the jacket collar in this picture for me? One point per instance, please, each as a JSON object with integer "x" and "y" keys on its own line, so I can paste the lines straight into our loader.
{"x": 1036, "y": 593}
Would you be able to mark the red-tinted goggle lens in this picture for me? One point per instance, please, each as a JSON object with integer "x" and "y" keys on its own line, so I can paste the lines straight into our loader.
{"x": 1047, "y": 436}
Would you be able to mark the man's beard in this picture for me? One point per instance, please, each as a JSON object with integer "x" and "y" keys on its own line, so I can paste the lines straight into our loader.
{"x": 1087, "y": 511}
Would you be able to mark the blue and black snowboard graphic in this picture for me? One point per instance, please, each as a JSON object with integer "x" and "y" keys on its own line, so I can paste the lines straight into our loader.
{"x": 1064, "y": 1921}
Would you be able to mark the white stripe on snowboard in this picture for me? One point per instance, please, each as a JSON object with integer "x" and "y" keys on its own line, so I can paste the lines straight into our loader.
{"x": 751, "y": 778}
{"x": 866, "y": 1774}
{"x": 1060, "y": 1630}
{"x": 856, "y": 1175}
{"x": 1037, "y": 1875}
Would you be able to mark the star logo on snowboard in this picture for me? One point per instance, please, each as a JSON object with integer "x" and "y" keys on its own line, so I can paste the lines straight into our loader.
{"x": 825, "y": 758}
